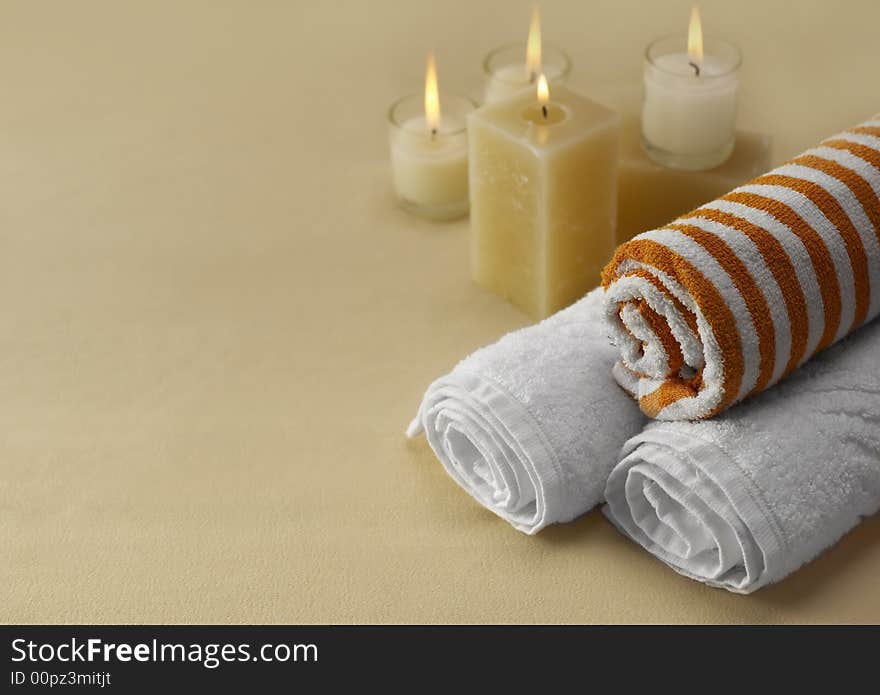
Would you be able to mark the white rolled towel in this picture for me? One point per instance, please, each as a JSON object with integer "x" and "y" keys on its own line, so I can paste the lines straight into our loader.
{"x": 745, "y": 499}
{"x": 532, "y": 425}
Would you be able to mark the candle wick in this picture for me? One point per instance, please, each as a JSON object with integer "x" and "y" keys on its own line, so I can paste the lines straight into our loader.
{"x": 544, "y": 110}
{"x": 695, "y": 67}
{"x": 433, "y": 134}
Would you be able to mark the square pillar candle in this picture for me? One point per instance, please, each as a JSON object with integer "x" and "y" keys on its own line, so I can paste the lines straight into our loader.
{"x": 650, "y": 195}
{"x": 543, "y": 190}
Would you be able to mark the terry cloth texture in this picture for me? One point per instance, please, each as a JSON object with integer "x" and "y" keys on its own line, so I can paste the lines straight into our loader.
{"x": 532, "y": 425}
{"x": 746, "y": 498}
{"x": 730, "y": 298}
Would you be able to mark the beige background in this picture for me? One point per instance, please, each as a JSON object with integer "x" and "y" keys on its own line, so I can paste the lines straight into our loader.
{"x": 216, "y": 324}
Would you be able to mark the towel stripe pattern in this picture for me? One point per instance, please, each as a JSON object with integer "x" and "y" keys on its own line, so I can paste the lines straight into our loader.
{"x": 730, "y": 298}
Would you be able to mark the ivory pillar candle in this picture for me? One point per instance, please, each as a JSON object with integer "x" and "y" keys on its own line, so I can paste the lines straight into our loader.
{"x": 543, "y": 189}
{"x": 689, "y": 112}
{"x": 650, "y": 195}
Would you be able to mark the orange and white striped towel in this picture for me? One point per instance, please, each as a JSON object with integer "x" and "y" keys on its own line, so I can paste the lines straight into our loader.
{"x": 728, "y": 299}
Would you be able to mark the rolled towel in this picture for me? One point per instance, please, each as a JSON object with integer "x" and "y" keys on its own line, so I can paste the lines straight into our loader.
{"x": 532, "y": 425}
{"x": 728, "y": 299}
{"x": 745, "y": 499}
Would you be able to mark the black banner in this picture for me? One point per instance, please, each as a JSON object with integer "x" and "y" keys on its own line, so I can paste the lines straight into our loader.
{"x": 133, "y": 659}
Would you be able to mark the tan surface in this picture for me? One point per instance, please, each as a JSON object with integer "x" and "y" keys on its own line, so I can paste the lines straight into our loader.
{"x": 216, "y": 324}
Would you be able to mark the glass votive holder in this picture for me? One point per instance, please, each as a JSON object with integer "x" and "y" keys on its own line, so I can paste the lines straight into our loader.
{"x": 689, "y": 108}
{"x": 507, "y": 74}
{"x": 429, "y": 165}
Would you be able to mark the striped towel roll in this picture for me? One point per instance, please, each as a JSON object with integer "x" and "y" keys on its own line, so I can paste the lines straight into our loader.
{"x": 728, "y": 299}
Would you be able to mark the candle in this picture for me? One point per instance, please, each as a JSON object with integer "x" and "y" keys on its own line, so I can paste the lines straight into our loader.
{"x": 650, "y": 195}
{"x": 689, "y": 111}
{"x": 508, "y": 74}
{"x": 543, "y": 182}
{"x": 429, "y": 151}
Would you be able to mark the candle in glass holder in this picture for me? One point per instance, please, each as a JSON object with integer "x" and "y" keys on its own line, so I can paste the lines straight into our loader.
{"x": 689, "y": 111}
{"x": 543, "y": 181}
{"x": 429, "y": 151}
{"x": 507, "y": 73}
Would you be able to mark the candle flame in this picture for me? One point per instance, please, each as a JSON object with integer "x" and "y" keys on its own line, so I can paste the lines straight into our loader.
{"x": 533, "y": 47}
{"x": 695, "y": 37}
{"x": 432, "y": 96}
{"x": 543, "y": 90}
